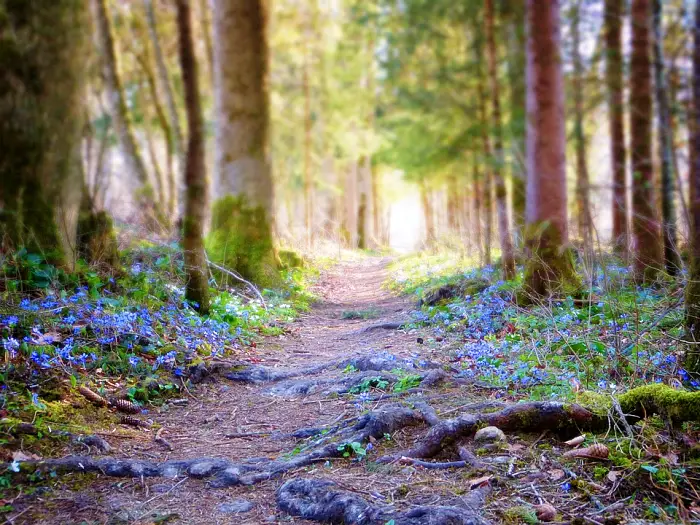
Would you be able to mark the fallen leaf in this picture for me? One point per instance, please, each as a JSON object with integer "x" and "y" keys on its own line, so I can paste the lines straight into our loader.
{"x": 576, "y": 441}
{"x": 556, "y": 474}
{"x": 18, "y": 455}
{"x": 671, "y": 457}
{"x": 515, "y": 448}
{"x": 479, "y": 482}
{"x": 613, "y": 475}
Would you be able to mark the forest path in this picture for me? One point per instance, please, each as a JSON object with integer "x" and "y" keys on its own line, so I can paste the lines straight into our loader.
{"x": 344, "y": 322}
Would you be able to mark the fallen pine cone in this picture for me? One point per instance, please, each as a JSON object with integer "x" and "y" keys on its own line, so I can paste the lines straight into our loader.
{"x": 594, "y": 451}
{"x": 127, "y": 407}
{"x": 134, "y": 422}
{"x": 545, "y": 512}
{"x": 93, "y": 397}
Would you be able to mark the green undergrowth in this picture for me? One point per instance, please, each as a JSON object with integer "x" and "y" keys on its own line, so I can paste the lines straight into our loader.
{"x": 618, "y": 336}
{"x": 128, "y": 333}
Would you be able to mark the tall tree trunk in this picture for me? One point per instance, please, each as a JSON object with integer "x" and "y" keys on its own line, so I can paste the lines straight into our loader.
{"x": 428, "y": 215}
{"x": 41, "y": 126}
{"x": 118, "y": 108}
{"x": 507, "y": 258}
{"x": 453, "y": 208}
{"x": 614, "y": 12}
{"x": 692, "y": 304}
{"x": 515, "y": 36}
{"x": 477, "y": 195}
{"x": 308, "y": 175}
{"x": 205, "y": 21}
{"x": 487, "y": 201}
{"x": 664, "y": 134}
{"x": 583, "y": 207}
{"x": 242, "y": 219}
{"x": 197, "y": 289}
{"x": 550, "y": 268}
{"x": 646, "y": 233}
{"x": 166, "y": 84}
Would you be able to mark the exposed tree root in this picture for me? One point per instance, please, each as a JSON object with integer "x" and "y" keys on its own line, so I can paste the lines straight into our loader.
{"x": 524, "y": 417}
{"x": 224, "y": 473}
{"x": 318, "y": 500}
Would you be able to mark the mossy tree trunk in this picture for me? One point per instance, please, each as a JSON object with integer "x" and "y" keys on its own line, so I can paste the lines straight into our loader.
{"x": 196, "y": 186}
{"x": 242, "y": 220}
{"x": 550, "y": 268}
{"x": 506, "y": 243}
{"x": 692, "y": 304}
{"x": 614, "y": 72}
{"x": 118, "y": 109}
{"x": 583, "y": 206}
{"x": 42, "y": 73}
{"x": 175, "y": 137}
{"x": 647, "y": 247}
{"x": 664, "y": 134}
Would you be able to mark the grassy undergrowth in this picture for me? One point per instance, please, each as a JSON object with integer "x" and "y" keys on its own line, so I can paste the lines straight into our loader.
{"x": 129, "y": 334}
{"x": 621, "y": 335}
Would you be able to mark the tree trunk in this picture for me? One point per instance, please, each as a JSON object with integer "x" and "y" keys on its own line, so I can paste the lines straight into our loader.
{"x": 692, "y": 304}
{"x": 166, "y": 85}
{"x": 453, "y": 208}
{"x": 197, "y": 289}
{"x": 515, "y": 37}
{"x": 478, "y": 223}
{"x": 507, "y": 258}
{"x": 583, "y": 207}
{"x": 487, "y": 201}
{"x": 664, "y": 132}
{"x": 118, "y": 107}
{"x": 205, "y": 21}
{"x": 645, "y": 229}
{"x": 427, "y": 215}
{"x": 308, "y": 175}
{"x": 242, "y": 220}
{"x": 42, "y": 74}
{"x": 614, "y": 12}
{"x": 550, "y": 268}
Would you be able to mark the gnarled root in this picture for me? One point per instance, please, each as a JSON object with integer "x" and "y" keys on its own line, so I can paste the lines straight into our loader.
{"x": 523, "y": 417}
{"x": 318, "y": 500}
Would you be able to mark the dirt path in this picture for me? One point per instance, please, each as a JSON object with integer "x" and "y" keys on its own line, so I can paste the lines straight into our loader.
{"x": 332, "y": 331}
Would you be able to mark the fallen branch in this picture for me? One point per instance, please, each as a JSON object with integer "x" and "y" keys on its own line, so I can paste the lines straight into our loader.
{"x": 238, "y": 278}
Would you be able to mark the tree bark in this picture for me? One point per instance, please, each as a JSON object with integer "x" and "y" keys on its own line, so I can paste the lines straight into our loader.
{"x": 428, "y": 215}
{"x": 692, "y": 304}
{"x": 645, "y": 229}
{"x": 242, "y": 220}
{"x": 308, "y": 175}
{"x": 117, "y": 105}
{"x": 487, "y": 201}
{"x": 551, "y": 266}
{"x": 516, "y": 78}
{"x": 42, "y": 75}
{"x": 614, "y": 12}
{"x": 664, "y": 134}
{"x": 507, "y": 258}
{"x": 197, "y": 289}
{"x": 583, "y": 207}
{"x": 477, "y": 195}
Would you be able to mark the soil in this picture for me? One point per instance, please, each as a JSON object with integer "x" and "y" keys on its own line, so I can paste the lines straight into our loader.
{"x": 522, "y": 471}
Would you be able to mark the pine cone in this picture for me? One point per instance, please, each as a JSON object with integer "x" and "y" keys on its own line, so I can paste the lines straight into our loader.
{"x": 93, "y": 397}
{"x": 545, "y": 512}
{"x": 134, "y": 422}
{"x": 597, "y": 451}
{"x": 127, "y": 407}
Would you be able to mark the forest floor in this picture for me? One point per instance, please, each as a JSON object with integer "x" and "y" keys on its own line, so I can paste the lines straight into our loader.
{"x": 354, "y": 317}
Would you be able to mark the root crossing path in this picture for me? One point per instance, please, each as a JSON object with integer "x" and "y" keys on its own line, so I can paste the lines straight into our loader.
{"x": 350, "y": 417}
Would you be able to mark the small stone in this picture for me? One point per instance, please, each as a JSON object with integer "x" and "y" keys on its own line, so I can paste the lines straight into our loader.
{"x": 490, "y": 435}
{"x": 236, "y": 506}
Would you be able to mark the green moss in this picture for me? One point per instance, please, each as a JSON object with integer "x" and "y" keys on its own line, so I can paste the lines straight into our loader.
{"x": 291, "y": 259}
{"x": 674, "y": 405}
{"x": 97, "y": 242}
{"x": 596, "y": 403}
{"x": 241, "y": 240}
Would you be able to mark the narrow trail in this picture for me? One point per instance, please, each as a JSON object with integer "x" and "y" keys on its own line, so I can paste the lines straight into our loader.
{"x": 330, "y": 332}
